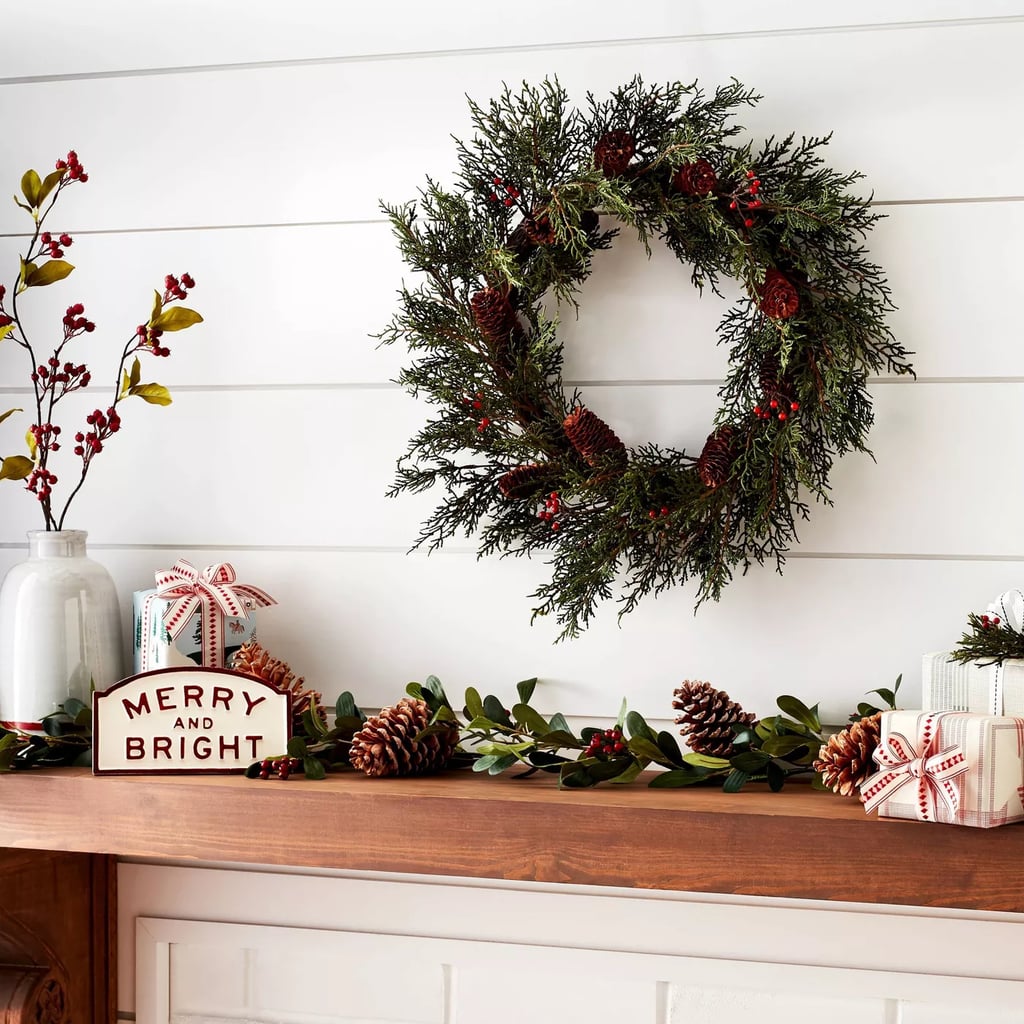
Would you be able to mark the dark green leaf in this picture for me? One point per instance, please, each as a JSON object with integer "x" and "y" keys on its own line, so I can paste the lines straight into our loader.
{"x": 297, "y": 747}
{"x": 706, "y": 761}
{"x": 734, "y": 781}
{"x": 501, "y": 763}
{"x": 636, "y": 725}
{"x": 49, "y": 273}
{"x": 670, "y": 748}
{"x": 72, "y": 706}
{"x": 346, "y": 706}
{"x": 253, "y": 771}
{"x": 750, "y": 761}
{"x": 641, "y": 746}
{"x": 796, "y": 708}
{"x": 433, "y": 686}
{"x": 604, "y": 771}
{"x": 776, "y": 777}
{"x": 780, "y": 746}
{"x": 313, "y": 768}
{"x": 414, "y": 690}
{"x": 495, "y": 710}
{"x": 525, "y": 689}
{"x": 630, "y": 774}
{"x": 559, "y": 738}
{"x": 575, "y": 776}
{"x": 558, "y": 723}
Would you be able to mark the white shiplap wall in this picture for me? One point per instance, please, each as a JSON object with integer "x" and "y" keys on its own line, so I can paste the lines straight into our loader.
{"x": 249, "y": 143}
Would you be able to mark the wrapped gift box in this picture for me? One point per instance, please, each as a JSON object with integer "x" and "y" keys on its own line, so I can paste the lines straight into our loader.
{"x": 948, "y": 685}
{"x": 194, "y": 617}
{"x": 948, "y": 766}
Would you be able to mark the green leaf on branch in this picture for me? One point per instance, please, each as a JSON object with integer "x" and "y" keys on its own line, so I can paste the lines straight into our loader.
{"x": 346, "y": 707}
{"x": 313, "y": 768}
{"x": 558, "y": 723}
{"x": 670, "y": 748}
{"x": 674, "y": 779}
{"x": 155, "y": 394}
{"x": 501, "y": 764}
{"x": 297, "y": 747}
{"x": 530, "y": 720}
{"x": 641, "y": 746}
{"x": 715, "y": 764}
{"x": 50, "y": 182}
{"x": 10, "y": 412}
{"x": 177, "y": 318}
{"x": 776, "y": 777}
{"x": 496, "y": 712}
{"x": 50, "y": 272}
{"x": 636, "y": 725}
{"x": 474, "y": 705}
{"x": 31, "y": 186}
{"x": 525, "y": 689}
{"x": 15, "y": 467}
{"x": 797, "y": 709}
{"x": 734, "y": 781}
{"x": 749, "y": 762}
{"x": 780, "y": 746}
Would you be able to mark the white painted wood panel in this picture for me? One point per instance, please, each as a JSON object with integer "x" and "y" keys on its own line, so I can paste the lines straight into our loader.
{"x": 321, "y": 462}
{"x": 558, "y": 984}
{"x": 273, "y": 319}
{"x": 370, "y": 623}
{"x": 326, "y": 142}
{"x": 113, "y": 35}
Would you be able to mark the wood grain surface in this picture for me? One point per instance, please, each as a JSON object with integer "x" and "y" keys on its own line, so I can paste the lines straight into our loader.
{"x": 798, "y": 843}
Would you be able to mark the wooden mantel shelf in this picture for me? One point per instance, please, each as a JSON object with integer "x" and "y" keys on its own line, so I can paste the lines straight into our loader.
{"x": 798, "y": 843}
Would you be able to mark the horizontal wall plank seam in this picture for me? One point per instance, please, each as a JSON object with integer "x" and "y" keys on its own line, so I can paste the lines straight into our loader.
{"x": 462, "y": 552}
{"x": 677, "y": 382}
{"x": 477, "y": 51}
{"x": 359, "y": 222}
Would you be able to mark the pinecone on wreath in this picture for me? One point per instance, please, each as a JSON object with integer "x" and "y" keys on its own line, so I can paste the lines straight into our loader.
{"x": 845, "y": 761}
{"x": 707, "y": 717}
{"x": 717, "y": 457}
{"x": 494, "y": 315}
{"x": 593, "y": 438}
{"x": 613, "y": 152}
{"x": 387, "y": 745}
{"x": 252, "y": 659}
{"x": 523, "y": 481}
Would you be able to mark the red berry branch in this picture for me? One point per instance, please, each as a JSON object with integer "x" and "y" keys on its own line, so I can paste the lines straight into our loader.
{"x": 56, "y": 376}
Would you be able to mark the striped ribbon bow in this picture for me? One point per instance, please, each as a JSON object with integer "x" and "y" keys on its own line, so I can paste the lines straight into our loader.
{"x": 215, "y": 593}
{"x": 933, "y": 770}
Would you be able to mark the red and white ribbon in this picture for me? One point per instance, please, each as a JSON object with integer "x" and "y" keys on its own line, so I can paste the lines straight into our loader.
{"x": 933, "y": 770}
{"x": 214, "y": 592}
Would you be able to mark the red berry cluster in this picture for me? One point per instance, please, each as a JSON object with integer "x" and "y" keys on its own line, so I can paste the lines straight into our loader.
{"x": 989, "y": 621}
{"x": 40, "y": 482}
{"x": 607, "y": 743}
{"x": 775, "y": 410}
{"x": 745, "y": 199}
{"x": 61, "y": 379}
{"x": 283, "y": 766}
{"x": 76, "y": 172}
{"x": 658, "y": 513}
{"x": 149, "y": 339}
{"x": 44, "y": 436}
{"x": 476, "y": 403}
{"x": 54, "y": 245}
{"x": 175, "y": 288}
{"x": 512, "y": 193}
{"x": 552, "y": 506}
{"x": 90, "y": 443}
{"x": 75, "y": 323}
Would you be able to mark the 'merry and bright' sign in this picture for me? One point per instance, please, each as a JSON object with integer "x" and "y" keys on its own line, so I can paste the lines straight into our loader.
{"x": 188, "y": 720}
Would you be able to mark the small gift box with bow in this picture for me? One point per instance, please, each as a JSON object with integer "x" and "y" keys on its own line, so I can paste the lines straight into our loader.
{"x": 987, "y": 686}
{"x": 948, "y": 766}
{"x": 194, "y": 617}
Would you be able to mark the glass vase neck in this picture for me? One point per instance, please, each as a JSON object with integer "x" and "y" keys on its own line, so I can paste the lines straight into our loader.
{"x": 56, "y": 543}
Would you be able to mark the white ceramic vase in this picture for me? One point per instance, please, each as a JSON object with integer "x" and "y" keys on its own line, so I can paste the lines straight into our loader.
{"x": 60, "y": 629}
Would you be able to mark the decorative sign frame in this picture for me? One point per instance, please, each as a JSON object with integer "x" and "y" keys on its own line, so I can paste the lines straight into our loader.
{"x": 184, "y": 721}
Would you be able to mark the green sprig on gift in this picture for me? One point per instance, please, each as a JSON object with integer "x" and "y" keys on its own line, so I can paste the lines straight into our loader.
{"x": 55, "y": 376}
{"x": 988, "y": 641}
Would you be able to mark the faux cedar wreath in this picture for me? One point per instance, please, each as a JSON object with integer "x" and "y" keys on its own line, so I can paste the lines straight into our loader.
{"x": 527, "y": 466}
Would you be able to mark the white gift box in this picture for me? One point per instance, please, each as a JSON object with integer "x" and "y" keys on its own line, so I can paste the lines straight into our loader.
{"x": 948, "y": 685}
{"x": 948, "y": 766}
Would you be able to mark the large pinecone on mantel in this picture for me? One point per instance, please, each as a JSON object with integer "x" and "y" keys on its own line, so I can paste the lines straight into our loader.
{"x": 707, "y": 717}
{"x": 387, "y": 745}
{"x": 845, "y": 761}
{"x": 253, "y": 659}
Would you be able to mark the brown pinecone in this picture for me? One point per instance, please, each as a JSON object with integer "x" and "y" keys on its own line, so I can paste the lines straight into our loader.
{"x": 696, "y": 179}
{"x": 387, "y": 745}
{"x": 538, "y": 227}
{"x": 495, "y": 317}
{"x": 593, "y": 438}
{"x": 523, "y": 481}
{"x": 778, "y": 299}
{"x": 773, "y": 381}
{"x": 613, "y": 152}
{"x": 845, "y": 761}
{"x": 717, "y": 457}
{"x": 252, "y": 659}
{"x": 708, "y": 717}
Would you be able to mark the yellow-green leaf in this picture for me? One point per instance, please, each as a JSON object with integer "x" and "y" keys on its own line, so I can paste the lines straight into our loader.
{"x": 136, "y": 375}
{"x": 158, "y": 305}
{"x": 50, "y": 271}
{"x": 10, "y": 412}
{"x": 155, "y": 394}
{"x": 4, "y": 331}
{"x": 15, "y": 467}
{"x": 31, "y": 442}
{"x": 125, "y": 384}
{"x": 49, "y": 183}
{"x": 31, "y": 186}
{"x": 177, "y": 318}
